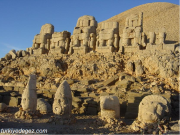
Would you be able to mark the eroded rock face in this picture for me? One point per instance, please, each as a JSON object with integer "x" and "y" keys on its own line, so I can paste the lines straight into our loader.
{"x": 153, "y": 108}
{"x": 110, "y": 107}
{"x": 63, "y": 100}
{"x": 29, "y": 96}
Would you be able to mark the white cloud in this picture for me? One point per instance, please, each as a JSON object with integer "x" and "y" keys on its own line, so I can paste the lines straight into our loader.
{"x": 10, "y": 46}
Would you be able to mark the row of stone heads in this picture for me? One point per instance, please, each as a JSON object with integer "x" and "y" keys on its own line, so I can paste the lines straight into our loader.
{"x": 151, "y": 109}
{"x": 88, "y": 37}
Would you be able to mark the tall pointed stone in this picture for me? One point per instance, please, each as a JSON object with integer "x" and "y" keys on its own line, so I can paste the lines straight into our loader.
{"x": 63, "y": 100}
{"x": 29, "y": 96}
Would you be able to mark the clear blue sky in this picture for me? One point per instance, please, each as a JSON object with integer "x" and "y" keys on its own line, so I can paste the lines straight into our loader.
{"x": 21, "y": 20}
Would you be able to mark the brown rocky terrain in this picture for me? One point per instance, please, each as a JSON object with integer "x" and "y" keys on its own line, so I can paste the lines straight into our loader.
{"x": 129, "y": 76}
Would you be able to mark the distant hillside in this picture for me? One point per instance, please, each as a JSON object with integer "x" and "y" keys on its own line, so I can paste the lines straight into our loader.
{"x": 155, "y": 15}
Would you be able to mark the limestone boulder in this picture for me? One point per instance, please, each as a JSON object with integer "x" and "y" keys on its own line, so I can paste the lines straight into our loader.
{"x": 43, "y": 106}
{"x": 110, "y": 107}
{"x": 13, "y": 53}
{"x": 153, "y": 108}
{"x": 19, "y": 53}
{"x": 8, "y": 56}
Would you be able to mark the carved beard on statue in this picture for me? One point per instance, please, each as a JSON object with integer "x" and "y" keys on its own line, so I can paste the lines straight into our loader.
{"x": 61, "y": 106}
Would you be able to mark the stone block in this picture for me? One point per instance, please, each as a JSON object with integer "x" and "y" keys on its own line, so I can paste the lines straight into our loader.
{"x": 75, "y": 104}
{"x": 76, "y": 99}
{"x": 70, "y": 81}
{"x": 85, "y": 82}
{"x": 82, "y": 89}
{"x": 46, "y": 91}
{"x": 16, "y": 88}
{"x": 8, "y": 88}
{"x": 14, "y": 101}
{"x": 169, "y": 47}
{"x": 104, "y": 94}
{"x": 51, "y": 94}
{"x": 84, "y": 94}
{"x": 111, "y": 80}
{"x": 2, "y": 59}
{"x": 124, "y": 83}
{"x": 93, "y": 95}
{"x": 129, "y": 49}
{"x": 13, "y": 54}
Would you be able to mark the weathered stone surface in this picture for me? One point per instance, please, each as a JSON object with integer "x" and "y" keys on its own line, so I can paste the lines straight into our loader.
{"x": 13, "y": 54}
{"x": 14, "y": 101}
{"x": 8, "y": 56}
{"x": 111, "y": 80}
{"x": 63, "y": 100}
{"x": 153, "y": 108}
{"x": 110, "y": 107}
{"x": 29, "y": 96}
{"x": 43, "y": 106}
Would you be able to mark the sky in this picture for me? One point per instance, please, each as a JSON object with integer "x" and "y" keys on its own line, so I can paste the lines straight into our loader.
{"x": 21, "y": 20}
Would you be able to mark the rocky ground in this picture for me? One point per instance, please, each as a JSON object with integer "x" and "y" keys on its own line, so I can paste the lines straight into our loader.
{"x": 128, "y": 76}
{"x": 85, "y": 124}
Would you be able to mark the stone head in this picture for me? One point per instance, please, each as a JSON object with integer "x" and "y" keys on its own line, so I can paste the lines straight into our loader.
{"x": 62, "y": 104}
{"x": 153, "y": 108}
{"x": 47, "y": 28}
{"x": 29, "y": 96}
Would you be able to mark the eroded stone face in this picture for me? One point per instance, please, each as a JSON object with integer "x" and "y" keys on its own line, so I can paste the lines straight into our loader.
{"x": 29, "y": 96}
{"x": 153, "y": 108}
{"x": 63, "y": 100}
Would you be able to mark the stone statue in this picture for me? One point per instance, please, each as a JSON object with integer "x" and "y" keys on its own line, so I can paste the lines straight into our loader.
{"x": 41, "y": 41}
{"x": 92, "y": 41}
{"x": 133, "y": 37}
{"x": 63, "y": 100}
{"x": 29, "y": 96}
{"x": 153, "y": 108}
{"x": 108, "y": 37}
{"x": 81, "y": 34}
{"x": 29, "y": 100}
{"x": 110, "y": 107}
{"x": 60, "y": 42}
